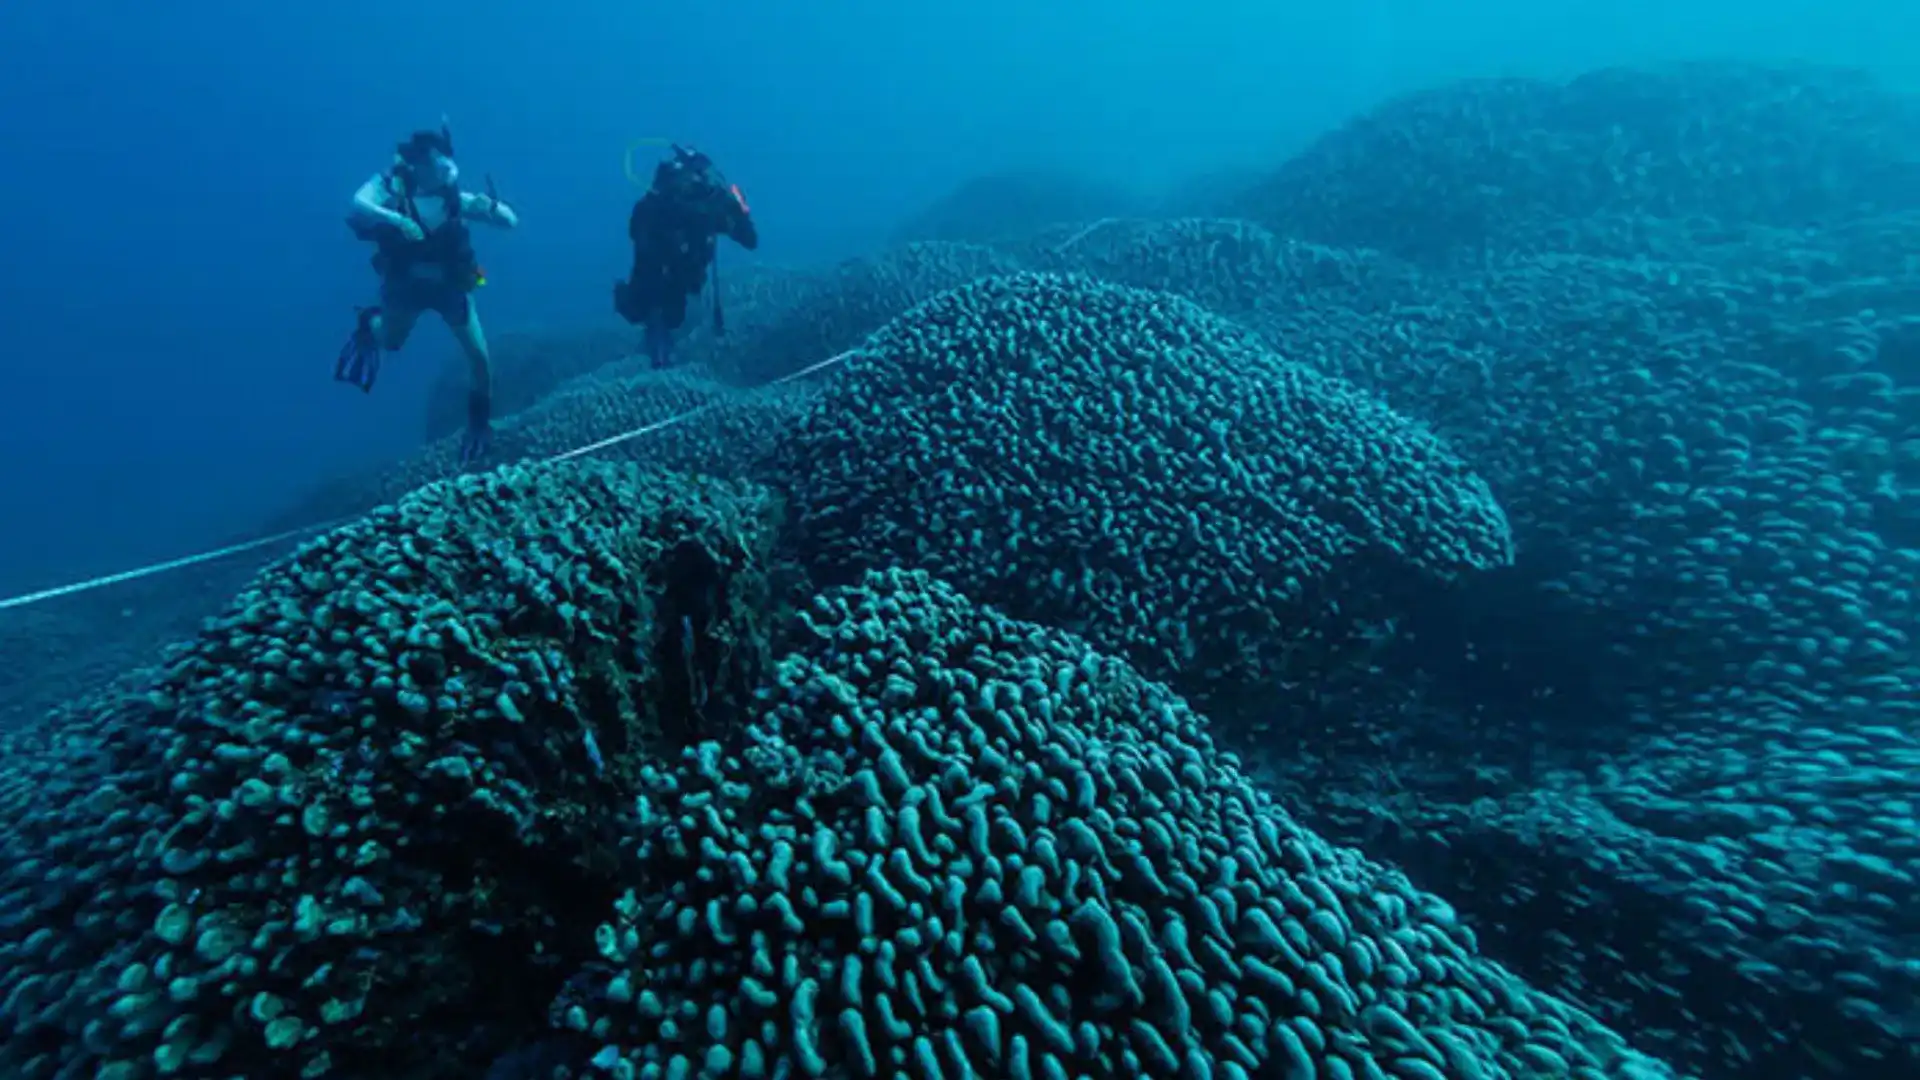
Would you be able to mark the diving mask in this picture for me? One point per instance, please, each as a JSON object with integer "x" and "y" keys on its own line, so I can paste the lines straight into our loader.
{"x": 442, "y": 172}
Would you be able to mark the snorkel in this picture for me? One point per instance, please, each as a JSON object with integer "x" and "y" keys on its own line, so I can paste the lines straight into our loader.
{"x": 446, "y": 171}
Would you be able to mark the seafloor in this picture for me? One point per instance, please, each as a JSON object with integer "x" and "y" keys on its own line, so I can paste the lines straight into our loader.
{"x": 1443, "y": 609}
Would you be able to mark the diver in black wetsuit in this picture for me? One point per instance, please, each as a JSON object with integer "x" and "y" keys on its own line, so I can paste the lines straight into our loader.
{"x": 675, "y": 228}
{"x": 416, "y": 216}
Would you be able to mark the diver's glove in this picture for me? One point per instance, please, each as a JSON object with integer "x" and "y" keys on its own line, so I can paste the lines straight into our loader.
{"x": 479, "y": 428}
{"x": 626, "y": 304}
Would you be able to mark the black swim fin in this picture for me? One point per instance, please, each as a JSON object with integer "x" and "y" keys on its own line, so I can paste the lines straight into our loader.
{"x": 359, "y": 361}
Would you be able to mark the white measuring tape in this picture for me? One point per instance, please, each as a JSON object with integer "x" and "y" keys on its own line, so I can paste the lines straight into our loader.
{"x": 1082, "y": 233}
{"x": 216, "y": 554}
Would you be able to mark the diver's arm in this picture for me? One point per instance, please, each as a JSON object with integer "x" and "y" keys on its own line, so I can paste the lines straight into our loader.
{"x": 370, "y": 202}
{"x": 486, "y": 208}
{"x": 742, "y": 231}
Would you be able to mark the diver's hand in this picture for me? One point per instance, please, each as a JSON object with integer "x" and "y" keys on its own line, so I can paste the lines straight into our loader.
{"x": 409, "y": 228}
{"x": 624, "y": 304}
{"x": 503, "y": 214}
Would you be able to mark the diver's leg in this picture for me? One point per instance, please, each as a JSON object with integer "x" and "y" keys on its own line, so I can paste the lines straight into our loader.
{"x": 463, "y": 319}
{"x": 472, "y": 337}
{"x": 393, "y": 323}
{"x": 675, "y": 310}
{"x": 659, "y": 340}
{"x": 665, "y": 319}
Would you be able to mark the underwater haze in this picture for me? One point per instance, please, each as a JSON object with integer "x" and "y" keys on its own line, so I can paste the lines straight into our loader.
{"x": 1218, "y": 541}
{"x": 173, "y": 180}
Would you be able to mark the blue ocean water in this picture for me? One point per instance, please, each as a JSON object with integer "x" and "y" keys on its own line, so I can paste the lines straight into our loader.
{"x": 1537, "y": 534}
{"x": 178, "y": 279}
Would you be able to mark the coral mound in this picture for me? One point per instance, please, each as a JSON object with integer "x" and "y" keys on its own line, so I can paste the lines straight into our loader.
{"x": 953, "y": 844}
{"x": 1230, "y": 267}
{"x": 842, "y": 305}
{"x": 354, "y": 829}
{"x": 1477, "y": 167}
{"x": 1121, "y": 464}
{"x": 673, "y": 419}
{"x": 995, "y": 206}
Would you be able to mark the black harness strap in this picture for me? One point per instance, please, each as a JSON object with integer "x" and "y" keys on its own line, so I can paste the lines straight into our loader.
{"x": 434, "y": 245}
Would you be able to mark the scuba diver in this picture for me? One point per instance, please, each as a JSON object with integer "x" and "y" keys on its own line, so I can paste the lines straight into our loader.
{"x": 675, "y": 228}
{"x": 416, "y": 217}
